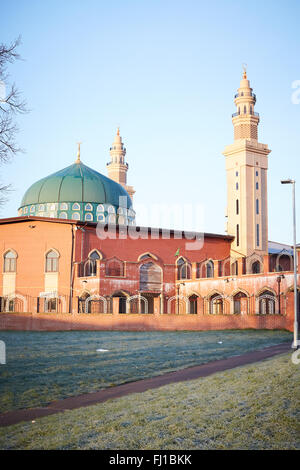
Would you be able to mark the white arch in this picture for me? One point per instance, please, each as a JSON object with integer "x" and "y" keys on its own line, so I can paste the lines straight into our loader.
{"x": 139, "y": 297}
{"x": 13, "y": 297}
{"x": 263, "y": 298}
{"x": 97, "y": 297}
{"x": 58, "y": 297}
{"x": 181, "y": 298}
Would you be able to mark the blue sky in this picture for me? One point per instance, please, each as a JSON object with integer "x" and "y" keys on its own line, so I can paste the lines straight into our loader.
{"x": 166, "y": 72}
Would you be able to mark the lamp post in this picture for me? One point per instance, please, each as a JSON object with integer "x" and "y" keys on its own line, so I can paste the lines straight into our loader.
{"x": 295, "y": 344}
{"x": 279, "y": 281}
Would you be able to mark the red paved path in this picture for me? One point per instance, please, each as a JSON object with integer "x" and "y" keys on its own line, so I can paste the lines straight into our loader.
{"x": 190, "y": 373}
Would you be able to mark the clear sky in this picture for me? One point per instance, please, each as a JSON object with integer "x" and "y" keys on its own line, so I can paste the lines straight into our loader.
{"x": 166, "y": 72}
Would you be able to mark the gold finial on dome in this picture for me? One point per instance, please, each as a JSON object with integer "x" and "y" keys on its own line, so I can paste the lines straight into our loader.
{"x": 245, "y": 71}
{"x": 118, "y": 130}
{"x": 78, "y": 152}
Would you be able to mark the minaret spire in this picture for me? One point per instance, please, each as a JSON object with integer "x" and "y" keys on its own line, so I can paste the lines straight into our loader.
{"x": 117, "y": 167}
{"x": 245, "y": 120}
{"x": 78, "y": 152}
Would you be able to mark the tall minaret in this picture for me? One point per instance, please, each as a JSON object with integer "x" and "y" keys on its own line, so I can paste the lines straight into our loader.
{"x": 117, "y": 167}
{"x": 246, "y": 167}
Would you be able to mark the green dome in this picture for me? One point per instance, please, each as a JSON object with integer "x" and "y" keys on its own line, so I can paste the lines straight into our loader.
{"x": 77, "y": 183}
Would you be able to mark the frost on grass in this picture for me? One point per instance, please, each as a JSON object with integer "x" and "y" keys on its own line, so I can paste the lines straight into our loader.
{"x": 250, "y": 407}
{"x": 46, "y": 366}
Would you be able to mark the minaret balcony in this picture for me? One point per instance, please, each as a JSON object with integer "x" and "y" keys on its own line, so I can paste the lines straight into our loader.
{"x": 250, "y": 93}
{"x": 247, "y": 114}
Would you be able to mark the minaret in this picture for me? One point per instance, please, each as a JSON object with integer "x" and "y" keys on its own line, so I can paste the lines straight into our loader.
{"x": 246, "y": 167}
{"x": 117, "y": 167}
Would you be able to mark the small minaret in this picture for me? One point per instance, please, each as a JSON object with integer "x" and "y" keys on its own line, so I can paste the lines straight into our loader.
{"x": 246, "y": 168}
{"x": 117, "y": 167}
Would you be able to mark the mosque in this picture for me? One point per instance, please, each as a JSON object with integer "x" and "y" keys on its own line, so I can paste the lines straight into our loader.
{"x": 74, "y": 251}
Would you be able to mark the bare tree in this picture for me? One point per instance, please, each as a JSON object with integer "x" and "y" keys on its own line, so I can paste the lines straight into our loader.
{"x": 10, "y": 105}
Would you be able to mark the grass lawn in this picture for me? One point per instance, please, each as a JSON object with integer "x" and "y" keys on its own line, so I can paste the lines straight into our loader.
{"x": 250, "y": 407}
{"x": 46, "y": 366}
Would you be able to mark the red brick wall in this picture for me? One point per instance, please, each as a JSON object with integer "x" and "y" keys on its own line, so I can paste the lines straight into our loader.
{"x": 56, "y": 322}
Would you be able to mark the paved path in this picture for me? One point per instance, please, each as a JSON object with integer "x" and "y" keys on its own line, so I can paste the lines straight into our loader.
{"x": 190, "y": 373}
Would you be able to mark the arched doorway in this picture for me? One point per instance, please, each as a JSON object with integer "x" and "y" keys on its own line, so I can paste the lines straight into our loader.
{"x": 216, "y": 304}
{"x": 122, "y": 301}
{"x": 81, "y": 303}
{"x": 240, "y": 303}
{"x": 193, "y": 307}
{"x": 267, "y": 303}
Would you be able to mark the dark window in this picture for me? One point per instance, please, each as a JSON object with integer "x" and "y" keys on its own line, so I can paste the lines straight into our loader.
{"x": 210, "y": 269}
{"x": 90, "y": 266}
{"x": 256, "y": 267}
{"x": 236, "y": 185}
{"x": 257, "y": 234}
{"x": 257, "y": 206}
{"x": 237, "y": 207}
{"x": 256, "y": 185}
{"x": 183, "y": 269}
{"x": 245, "y": 110}
{"x": 51, "y": 262}
{"x": 237, "y": 235}
{"x": 193, "y": 304}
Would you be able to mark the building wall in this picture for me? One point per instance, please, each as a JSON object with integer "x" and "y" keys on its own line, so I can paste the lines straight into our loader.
{"x": 32, "y": 239}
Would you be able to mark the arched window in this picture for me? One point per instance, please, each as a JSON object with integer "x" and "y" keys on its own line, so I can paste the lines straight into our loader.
{"x": 111, "y": 210}
{"x": 257, "y": 206}
{"x": 10, "y": 262}
{"x": 25, "y": 210}
{"x": 76, "y": 216}
{"x": 209, "y": 269}
{"x": 90, "y": 267}
{"x": 41, "y": 207}
{"x": 245, "y": 110}
{"x": 114, "y": 268}
{"x": 267, "y": 303}
{"x": 183, "y": 269}
{"x": 216, "y": 305}
{"x": 237, "y": 207}
{"x": 255, "y": 267}
{"x": 100, "y": 208}
{"x": 101, "y": 218}
{"x": 32, "y": 208}
{"x": 76, "y": 206}
{"x": 88, "y": 216}
{"x": 63, "y": 215}
{"x": 64, "y": 206}
{"x": 237, "y": 302}
{"x": 51, "y": 262}
{"x": 88, "y": 207}
{"x": 193, "y": 304}
{"x": 150, "y": 277}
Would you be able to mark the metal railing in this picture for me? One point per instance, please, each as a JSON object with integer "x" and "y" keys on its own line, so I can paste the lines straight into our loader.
{"x": 245, "y": 94}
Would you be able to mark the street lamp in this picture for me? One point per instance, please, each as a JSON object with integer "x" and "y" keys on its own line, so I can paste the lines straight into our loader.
{"x": 295, "y": 344}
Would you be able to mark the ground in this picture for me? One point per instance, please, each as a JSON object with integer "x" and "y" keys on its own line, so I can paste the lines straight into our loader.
{"x": 250, "y": 407}
{"x": 46, "y": 366}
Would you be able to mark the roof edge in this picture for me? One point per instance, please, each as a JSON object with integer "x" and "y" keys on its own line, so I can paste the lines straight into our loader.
{"x": 11, "y": 220}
